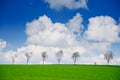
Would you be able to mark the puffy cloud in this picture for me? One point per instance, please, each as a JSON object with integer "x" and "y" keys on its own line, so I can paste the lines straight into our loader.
{"x": 44, "y": 35}
{"x": 44, "y": 32}
{"x": 75, "y": 24}
{"x": 102, "y": 28}
{"x": 36, "y": 26}
{"x": 70, "y": 4}
{"x": 2, "y": 44}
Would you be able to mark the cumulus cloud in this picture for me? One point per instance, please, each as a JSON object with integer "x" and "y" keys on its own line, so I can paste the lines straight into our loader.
{"x": 44, "y": 32}
{"x": 70, "y": 4}
{"x": 102, "y": 28}
{"x": 75, "y": 24}
{"x": 44, "y": 35}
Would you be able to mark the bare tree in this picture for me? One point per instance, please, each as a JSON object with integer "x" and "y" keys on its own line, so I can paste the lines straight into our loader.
{"x": 108, "y": 56}
{"x": 13, "y": 58}
{"x": 44, "y": 56}
{"x": 75, "y": 56}
{"x": 59, "y": 56}
{"x": 28, "y": 56}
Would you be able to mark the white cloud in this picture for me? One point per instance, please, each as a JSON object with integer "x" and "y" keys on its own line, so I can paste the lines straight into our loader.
{"x": 2, "y": 44}
{"x": 44, "y": 32}
{"x": 36, "y": 26}
{"x": 102, "y": 28}
{"x": 44, "y": 35}
{"x": 75, "y": 24}
{"x": 70, "y": 4}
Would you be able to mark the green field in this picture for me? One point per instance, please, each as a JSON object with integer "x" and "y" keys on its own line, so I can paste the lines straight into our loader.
{"x": 59, "y": 72}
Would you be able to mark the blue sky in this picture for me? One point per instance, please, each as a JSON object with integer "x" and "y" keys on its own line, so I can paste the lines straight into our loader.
{"x": 14, "y": 15}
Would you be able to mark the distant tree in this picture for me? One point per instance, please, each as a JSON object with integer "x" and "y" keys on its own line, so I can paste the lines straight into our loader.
{"x": 13, "y": 58}
{"x": 28, "y": 56}
{"x": 95, "y": 63}
{"x": 44, "y": 56}
{"x": 108, "y": 56}
{"x": 59, "y": 56}
{"x": 75, "y": 56}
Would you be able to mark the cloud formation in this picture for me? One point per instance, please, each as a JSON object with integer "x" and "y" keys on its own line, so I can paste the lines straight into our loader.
{"x": 70, "y": 4}
{"x": 75, "y": 24}
{"x": 44, "y": 35}
{"x": 102, "y": 28}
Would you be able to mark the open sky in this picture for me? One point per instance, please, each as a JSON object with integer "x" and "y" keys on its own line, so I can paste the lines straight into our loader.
{"x": 91, "y": 27}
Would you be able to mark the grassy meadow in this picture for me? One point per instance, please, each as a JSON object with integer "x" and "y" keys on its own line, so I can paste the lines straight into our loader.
{"x": 59, "y": 72}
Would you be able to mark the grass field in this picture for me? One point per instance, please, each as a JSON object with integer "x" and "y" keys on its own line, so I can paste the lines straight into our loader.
{"x": 59, "y": 72}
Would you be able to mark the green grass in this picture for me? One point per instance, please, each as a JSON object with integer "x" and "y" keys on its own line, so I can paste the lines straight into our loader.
{"x": 59, "y": 72}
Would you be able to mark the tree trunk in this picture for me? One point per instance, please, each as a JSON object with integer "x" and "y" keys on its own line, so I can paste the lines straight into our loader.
{"x": 59, "y": 61}
{"x": 13, "y": 60}
{"x": 43, "y": 60}
{"x": 74, "y": 60}
{"x": 27, "y": 60}
{"x": 108, "y": 61}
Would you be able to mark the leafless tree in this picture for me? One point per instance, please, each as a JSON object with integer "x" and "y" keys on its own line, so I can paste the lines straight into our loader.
{"x": 13, "y": 58}
{"x": 108, "y": 56}
{"x": 59, "y": 56}
{"x": 28, "y": 56}
{"x": 44, "y": 56}
{"x": 75, "y": 56}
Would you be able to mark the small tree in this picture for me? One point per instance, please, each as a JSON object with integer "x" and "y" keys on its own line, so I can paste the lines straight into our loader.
{"x": 28, "y": 56}
{"x": 75, "y": 56}
{"x": 108, "y": 56}
{"x": 59, "y": 56}
{"x": 44, "y": 56}
{"x": 13, "y": 58}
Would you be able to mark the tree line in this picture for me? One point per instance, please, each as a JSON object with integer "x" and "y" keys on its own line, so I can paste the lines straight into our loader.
{"x": 59, "y": 55}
